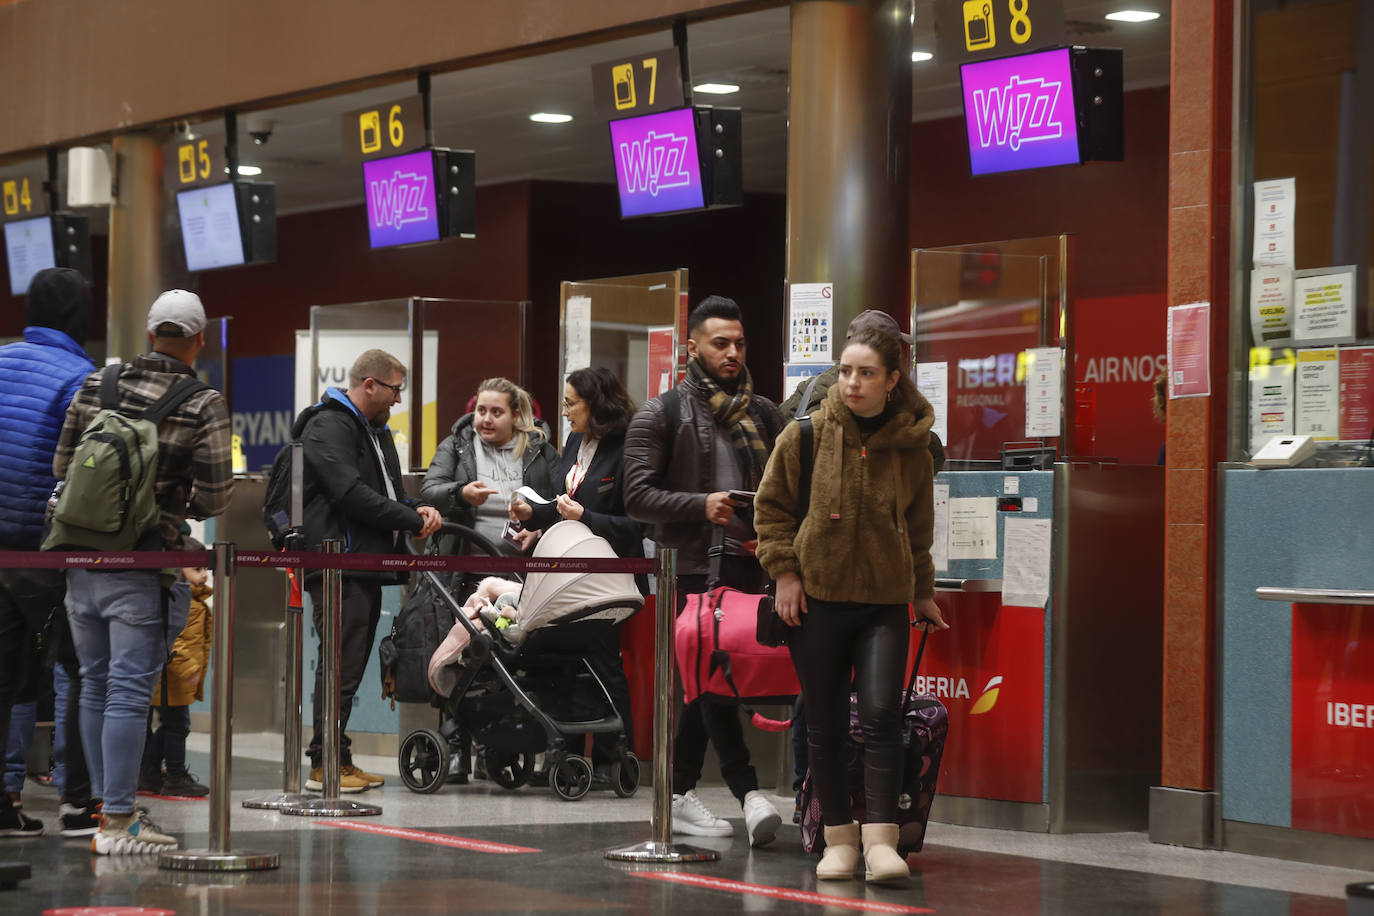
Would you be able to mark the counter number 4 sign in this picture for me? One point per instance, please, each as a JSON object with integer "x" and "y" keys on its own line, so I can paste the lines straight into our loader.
{"x": 23, "y": 197}
{"x": 975, "y": 29}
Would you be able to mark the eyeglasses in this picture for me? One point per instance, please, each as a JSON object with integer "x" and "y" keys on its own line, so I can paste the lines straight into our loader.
{"x": 395, "y": 389}
{"x": 569, "y": 405}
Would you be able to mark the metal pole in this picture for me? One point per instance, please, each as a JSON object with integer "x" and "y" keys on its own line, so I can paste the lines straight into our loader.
{"x": 291, "y": 719}
{"x": 219, "y": 857}
{"x": 331, "y": 657}
{"x": 661, "y": 848}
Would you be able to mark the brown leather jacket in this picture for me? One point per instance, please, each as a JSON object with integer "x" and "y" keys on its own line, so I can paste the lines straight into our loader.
{"x": 671, "y": 500}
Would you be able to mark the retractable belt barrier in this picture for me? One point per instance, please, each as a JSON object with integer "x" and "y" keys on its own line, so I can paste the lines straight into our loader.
{"x": 347, "y": 562}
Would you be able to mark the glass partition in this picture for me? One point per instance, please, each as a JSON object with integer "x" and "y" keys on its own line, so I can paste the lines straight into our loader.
{"x": 981, "y": 316}
{"x": 632, "y": 325}
{"x": 449, "y": 345}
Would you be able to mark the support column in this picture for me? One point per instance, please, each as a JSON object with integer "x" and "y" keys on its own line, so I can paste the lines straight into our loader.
{"x": 135, "y": 274}
{"x": 848, "y": 153}
{"x": 1200, "y": 100}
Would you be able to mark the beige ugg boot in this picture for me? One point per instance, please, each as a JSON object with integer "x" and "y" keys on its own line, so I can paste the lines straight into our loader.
{"x": 881, "y": 856}
{"x": 841, "y": 856}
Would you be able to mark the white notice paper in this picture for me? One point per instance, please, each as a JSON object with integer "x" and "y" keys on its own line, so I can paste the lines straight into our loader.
{"x": 810, "y": 338}
{"x": 577, "y": 334}
{"x": 1026, "y": 562}
{"x": 1043, "y": 384}
{"x": 1030, "y": 504}
{"x": 1271, "y": 403}
{"x": 973, "y": 528}
{"x": 1271, "y": 303}
{"x": 1319, "y": 394}
{"x": 1324, "y": 304}
{"x": 1274, "y": 201}
{"x": 1011, "y": 486}
{"x": 939, "y": 547}
{"x": 932, "y": 380}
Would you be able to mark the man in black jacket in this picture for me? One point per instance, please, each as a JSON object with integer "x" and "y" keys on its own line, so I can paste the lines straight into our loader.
{"x": 353, "y": 492}
{"x": 677, "y": 480}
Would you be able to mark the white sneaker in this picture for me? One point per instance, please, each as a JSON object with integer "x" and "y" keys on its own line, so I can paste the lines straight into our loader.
{"x": 693, "y": 818}
{"x": 761, "y": 818}
{"x": 130, "y": 835}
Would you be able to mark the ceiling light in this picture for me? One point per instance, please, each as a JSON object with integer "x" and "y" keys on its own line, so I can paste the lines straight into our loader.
{"x": 549, "y": 117}
{"x": 250, "y": 170}
{"x": 716, "y": 88}
{"x": 918, "y": 56}
{"x": 1133, "y": 16}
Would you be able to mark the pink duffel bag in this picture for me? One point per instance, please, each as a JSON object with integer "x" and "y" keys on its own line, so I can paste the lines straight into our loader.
{"x": 720, "y": 658}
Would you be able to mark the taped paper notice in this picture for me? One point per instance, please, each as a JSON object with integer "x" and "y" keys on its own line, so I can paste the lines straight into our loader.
{"x": 1026, "y": 562}
{"x": 1324, "y": 304}
{"x": 811, "y": 335}
{"x": 932, "y": 380}
{"x": 577, "y": 334}
{"x": 939, "y": 547}
{"x": 973, "y": 528}
{"x": 1274, "y": 202}
{"x": 1319, "y": 395}
{"x": 1271, "y": 303}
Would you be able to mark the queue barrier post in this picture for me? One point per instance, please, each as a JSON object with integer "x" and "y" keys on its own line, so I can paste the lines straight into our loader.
{"x": 330, "y": 804}
{"x": 291, "y": 713}
{"x": 660, "y": 847}
{"x": 220, "y": 856}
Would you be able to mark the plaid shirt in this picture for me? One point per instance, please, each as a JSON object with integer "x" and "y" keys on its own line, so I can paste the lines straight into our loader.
{"x": 195, "y": 462}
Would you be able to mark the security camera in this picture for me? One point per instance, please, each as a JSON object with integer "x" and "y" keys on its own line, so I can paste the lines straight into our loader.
{"x": 260, "y": 129}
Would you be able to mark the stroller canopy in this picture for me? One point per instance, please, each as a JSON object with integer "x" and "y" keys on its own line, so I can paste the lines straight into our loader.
{"x": 553, "y": 596}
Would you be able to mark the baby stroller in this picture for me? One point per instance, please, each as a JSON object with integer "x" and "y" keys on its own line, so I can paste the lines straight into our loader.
{"x": 530, "y": 691}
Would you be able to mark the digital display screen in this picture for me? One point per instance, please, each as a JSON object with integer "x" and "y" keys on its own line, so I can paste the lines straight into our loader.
{"x": 28, "y": 249}
{"x": 210, "y": 227}
{"x": 401, "y": 207}
{"x": 1019, "y": 112}
{"x": 656, "y": 164}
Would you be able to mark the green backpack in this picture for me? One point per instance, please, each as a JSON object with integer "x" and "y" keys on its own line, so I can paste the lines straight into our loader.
{"x": 108, "y": 501}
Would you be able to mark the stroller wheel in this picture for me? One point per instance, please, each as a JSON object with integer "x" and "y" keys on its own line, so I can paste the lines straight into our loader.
{"x": 423, "y": 761}
{"x": 625, "y": 775}
{"x": 508, "y": 769}
{"x": 571, "y": 778}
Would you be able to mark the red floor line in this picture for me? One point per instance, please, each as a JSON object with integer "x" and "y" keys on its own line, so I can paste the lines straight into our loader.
{"x": 424, "y": 836}
{"x": 174, "y": 798}
{"x": 780, "y": 893}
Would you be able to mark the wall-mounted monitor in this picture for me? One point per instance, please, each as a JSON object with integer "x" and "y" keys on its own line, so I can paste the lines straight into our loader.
{"x": 1056, "y": 107}
{"x": 677, "y": 160}
{"x": 28, "y": 249}
{"x": 225, "y": 225}
{"x": 420, "y": 197}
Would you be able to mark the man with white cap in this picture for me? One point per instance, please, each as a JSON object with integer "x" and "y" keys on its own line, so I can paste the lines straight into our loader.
{"x": 123, "y": 622}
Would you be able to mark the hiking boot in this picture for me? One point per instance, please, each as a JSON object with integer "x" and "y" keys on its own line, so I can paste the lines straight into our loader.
{"x": 183, "y": 785}
{"x": 15, "y": 823}
{"x": 78, "y": 820}
{"x": 130, "y": 835}
{"x": 761, "y": 818}
{"x": 692, "y": 818}
{"x": 347, "y": 782}
{"x": 372, "y": 779}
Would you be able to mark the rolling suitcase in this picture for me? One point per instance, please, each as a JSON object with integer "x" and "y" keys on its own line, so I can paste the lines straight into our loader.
{"x": 925, "y": 724}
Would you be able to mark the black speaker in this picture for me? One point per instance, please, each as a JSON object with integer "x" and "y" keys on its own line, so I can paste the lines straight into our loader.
{"x": 1098, "y": 103}
{"x": 721, "y": 149}
{"x": 257, "y": 205}
{"x": 71, "y": 242}
{"x": 455, "y": 186}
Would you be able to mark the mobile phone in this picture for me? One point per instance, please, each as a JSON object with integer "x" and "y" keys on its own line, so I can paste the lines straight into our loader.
{"x": 743, "y": 497}
{"x": 510, "y": 531}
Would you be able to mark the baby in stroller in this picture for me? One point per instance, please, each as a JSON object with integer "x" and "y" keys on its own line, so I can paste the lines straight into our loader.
{"x": 512, "y": 676}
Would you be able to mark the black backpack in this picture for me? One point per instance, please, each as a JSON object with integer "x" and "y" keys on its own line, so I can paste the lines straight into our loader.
{"x": 276, "y": 502}
{"x": 425, "y": 619}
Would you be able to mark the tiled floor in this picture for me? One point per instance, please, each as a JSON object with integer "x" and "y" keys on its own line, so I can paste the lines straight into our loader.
{"x": 460, "y": 864}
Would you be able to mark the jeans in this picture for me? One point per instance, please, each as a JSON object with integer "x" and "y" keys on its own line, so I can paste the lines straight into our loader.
{"x": 13, "y": 629}
{"x": 22, "y": 719}
{"x": 117, "y": 627}
{"x": 167, "y": 742}
{"x": 359, "y": 615}
{"x": 69, "y": 771}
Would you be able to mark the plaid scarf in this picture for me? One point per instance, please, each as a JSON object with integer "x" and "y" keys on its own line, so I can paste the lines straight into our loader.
{"x": 732, "y": 412}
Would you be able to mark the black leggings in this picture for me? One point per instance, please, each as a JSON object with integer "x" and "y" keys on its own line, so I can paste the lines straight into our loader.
{"x": 871, "y": 640}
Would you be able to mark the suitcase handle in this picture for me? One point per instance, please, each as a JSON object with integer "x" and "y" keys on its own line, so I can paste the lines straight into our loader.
{"x": 911, "y": 684}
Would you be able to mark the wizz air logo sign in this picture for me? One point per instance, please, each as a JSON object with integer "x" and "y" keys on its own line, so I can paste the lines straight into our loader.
{"x": 1020, "y": 112}
{"x": 655, "y": 164}
{"x": 399, "y": 200}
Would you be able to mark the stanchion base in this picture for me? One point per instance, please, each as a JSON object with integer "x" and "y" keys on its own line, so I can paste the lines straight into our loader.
{"x": 209, "y": 860}
{"x": 651, "y": 851}
{"x": 332, "y": 807}
{"x": 279, "y": 801}
{"x": 11, "y": 873}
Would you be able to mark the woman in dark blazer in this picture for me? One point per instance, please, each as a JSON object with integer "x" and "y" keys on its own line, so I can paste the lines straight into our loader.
{"x": 590, "y": 482}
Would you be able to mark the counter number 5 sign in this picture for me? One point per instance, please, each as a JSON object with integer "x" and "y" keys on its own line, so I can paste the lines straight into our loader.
{"x": 975, "y": 29}
{"x": 192, "y": 163}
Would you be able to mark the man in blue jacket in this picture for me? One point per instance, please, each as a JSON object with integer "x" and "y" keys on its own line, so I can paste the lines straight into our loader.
{"x": 38, "y": 377}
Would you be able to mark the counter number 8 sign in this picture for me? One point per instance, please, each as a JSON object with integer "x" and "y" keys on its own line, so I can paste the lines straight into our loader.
{"x": 980, "y": 23}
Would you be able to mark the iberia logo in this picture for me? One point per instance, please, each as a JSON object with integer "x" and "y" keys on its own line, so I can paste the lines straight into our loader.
{"x": 988, "y": 699}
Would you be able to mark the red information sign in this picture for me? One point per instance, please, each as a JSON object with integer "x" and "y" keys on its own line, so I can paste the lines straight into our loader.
{"x": 989, "y": 671}
{"x": 662, "y": 360}
{"x": 1357, "y": 393}
{"x": 1333, "y": 719}
{"x": 1190, "y": 350}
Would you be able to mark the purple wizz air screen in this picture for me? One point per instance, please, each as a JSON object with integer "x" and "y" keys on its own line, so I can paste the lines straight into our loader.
{"x": 400, "y": 200}
{"x": 1019, "y": 112}
{"x": 656, "y": 164}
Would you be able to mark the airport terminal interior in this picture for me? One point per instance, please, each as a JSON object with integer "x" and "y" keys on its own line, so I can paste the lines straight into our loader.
{"x": 1133, "y": 244}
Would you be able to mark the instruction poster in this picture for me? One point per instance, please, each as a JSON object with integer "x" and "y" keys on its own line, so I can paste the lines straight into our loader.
{"x": 1274, "y": 204}
{"x": 662, "y": 360}
{"x": 1271, "y": 403}
{"x": 1044, "y": 384}
{"x": 577, "y": 334}
{"x": 1026, "y": 562}
{"x": 1357, "y": 393}
{"x": 811, "y": 311}
{"x": 796, "y": 375}
{"x": 932, "y": 380}
{"x": 1318, "y": 394}
{"x": 973, "y": 528}
{"x": 1190, "y": 346}
{"x": 939, "y": 547}
{"x": 1324, "y": 304}
{"x": 1271, "y": 303}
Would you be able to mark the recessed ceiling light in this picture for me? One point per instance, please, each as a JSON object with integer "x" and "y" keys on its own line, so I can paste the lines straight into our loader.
{"x": 918, "y": 56}
{"x": 1133, "y": 16}
{"x": 716, "y": 88}
{"x": 250, "y": 170}
{"x": 549, "y": 117}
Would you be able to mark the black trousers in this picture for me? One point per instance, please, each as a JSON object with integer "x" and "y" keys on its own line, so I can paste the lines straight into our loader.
{"x": 362, "y": 609}
{"x": 718, "y": 724}
{"x": 78, "y": 788}
{"x": 870, "y": 640}
{"x": 604, "y": 659}
{"x": 14, "y": 630}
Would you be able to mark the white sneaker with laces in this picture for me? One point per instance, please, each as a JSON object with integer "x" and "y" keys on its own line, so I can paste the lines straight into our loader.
{"x": 692, "y": 818}
{"x": 130, "y": 835}
{"x": 761, "y": 818}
